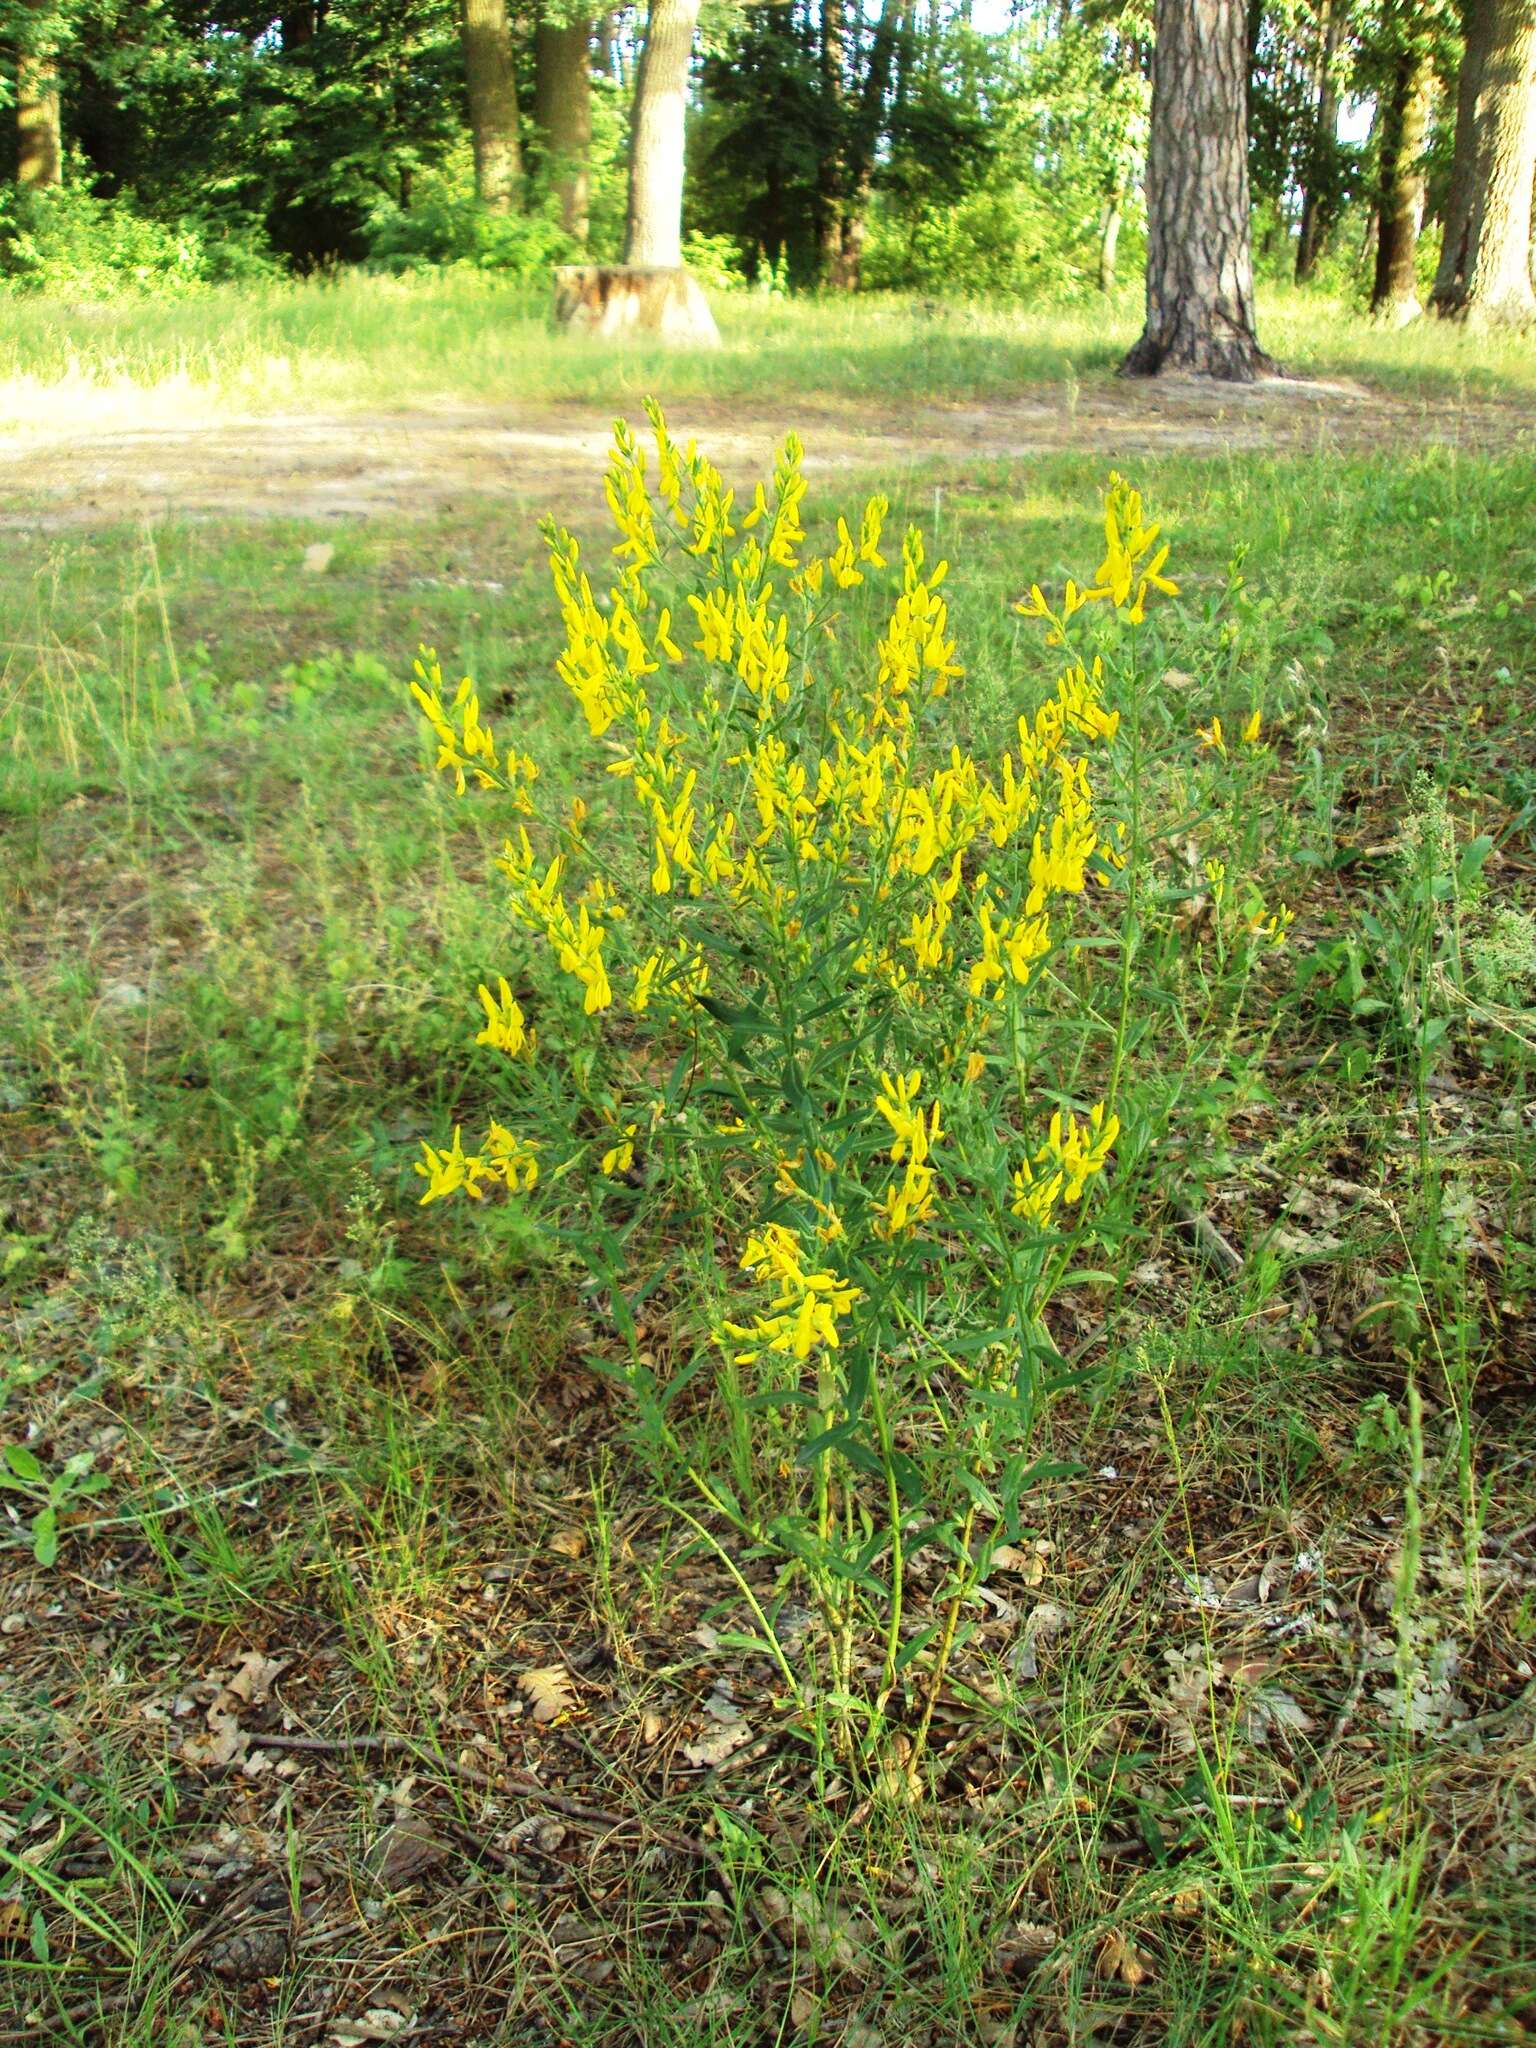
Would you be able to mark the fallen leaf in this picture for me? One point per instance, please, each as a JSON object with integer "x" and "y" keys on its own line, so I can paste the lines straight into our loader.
{"x": 1121, "y": 1961}
{"x": 219, "y": 1743}
{"x": 255, "y": 1678}
{"x": 1025, "y": 1944}
{"x": 549, "y": 1691}
{"x": 568, "y": 1542}
{"x": 404, "y": 1852}
{"x": 318, "y": 557}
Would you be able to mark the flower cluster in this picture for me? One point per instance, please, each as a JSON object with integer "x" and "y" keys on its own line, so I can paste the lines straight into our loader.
{"x": 507, "y": 1161}
{"x": 1070, "y": 1157}
{"x": 909, "y": 1201}
{"x": 789, "y": 830}
{"x": 1131, "y": 570}
{"x": 807, "y": 1303}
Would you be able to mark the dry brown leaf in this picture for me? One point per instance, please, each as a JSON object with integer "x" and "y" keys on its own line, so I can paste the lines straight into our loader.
{"x": 548, "y": 1690}
{"x": 568, "y": 1542}
{"x": 255, "y": 1678}
{"x": 1122, "y": 1961}
{"x": 220, "y": 1743}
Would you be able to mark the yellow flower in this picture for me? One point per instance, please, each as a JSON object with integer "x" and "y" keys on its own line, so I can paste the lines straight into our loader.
{"x": 515, "y": 1158}
{"x": 1210, "y": 736}
{"x": 1274, "y": 927}
{"x": 1071, "y": 1155}
{"x": 645, "y": 982}
{"x": 505, "y": 1026}
{"x": 506, "y": 1158}
{"x": 620, "y": 1158}
{"x": 446, "y": 1172}
{"x": 897, "y": 1102}
{"x": 1253, "y": 726}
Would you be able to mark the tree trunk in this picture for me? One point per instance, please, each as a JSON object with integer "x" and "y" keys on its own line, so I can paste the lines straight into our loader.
{"x": 297, "y": 25}
{"x": 1450, "y": 277}
{"x": 39, "y": 144}
{"x": 1319, "y": 198}
{"x": 859, "y": 170}
{"x": 1498, "y": 273}
{"x": 658, "y": 136}
{"x": 1109, "y": 238}
{"x": 492, "y": 103}
{"x": 1199, "y": 255}
{"x": 831, "y": 169}
{"x": 563, "y": 111}
{"x": 1400, "y": 208}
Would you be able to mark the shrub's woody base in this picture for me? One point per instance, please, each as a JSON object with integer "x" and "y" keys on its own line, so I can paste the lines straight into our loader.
{"x": 624, "y": 301}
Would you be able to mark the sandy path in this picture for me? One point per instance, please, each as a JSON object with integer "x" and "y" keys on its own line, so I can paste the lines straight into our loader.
{"x": 340, "y": 465}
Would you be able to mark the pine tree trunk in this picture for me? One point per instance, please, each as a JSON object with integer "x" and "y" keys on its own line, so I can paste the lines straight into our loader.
{"x": 1400, "y": 208}
{"x": 1199, "y": 255}
{"x": 1451, "y": 274}
{"x": 563, "y": 112}
{"x": 39, "y": 143}
{"x": 1317, "y": 201}
{"x": 869, "y": 118}
{"x": 658, "y": 136}
{"x": 831, "y": 169}
{"x": 1498, "y": 273}
{"x": 487, "y": 49}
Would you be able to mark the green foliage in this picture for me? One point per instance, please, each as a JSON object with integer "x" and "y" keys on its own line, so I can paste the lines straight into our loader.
{"x": 49, "y": 1494}
{"x": 66, "y": 242}
{"x": 450, "y": 229}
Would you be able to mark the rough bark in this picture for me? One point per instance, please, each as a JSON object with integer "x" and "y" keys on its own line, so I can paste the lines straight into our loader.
{"x": 563, "y": 112}
{"x": 1450, "y": 276}
{"x": 831, "y": 170}
{"x": 39, "y": 141}
{"x": 1400, "y": 204}
{"x": 1318, "y": 198}
{"x": 492, "y": 103}
{"x": 1199, "y": 256}
{"x": 1498, "y": 264}
{"x": 658, "y": 135}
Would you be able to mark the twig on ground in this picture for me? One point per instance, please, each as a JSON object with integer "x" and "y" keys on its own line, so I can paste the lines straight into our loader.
{"x": 1218, "y": 1250}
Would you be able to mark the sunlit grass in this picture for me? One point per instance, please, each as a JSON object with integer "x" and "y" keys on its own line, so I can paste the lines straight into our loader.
{"x": 363, "y": 342}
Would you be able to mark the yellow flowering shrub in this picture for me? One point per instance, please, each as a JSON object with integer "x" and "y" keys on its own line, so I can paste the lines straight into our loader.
{"x": 781, "y": 970}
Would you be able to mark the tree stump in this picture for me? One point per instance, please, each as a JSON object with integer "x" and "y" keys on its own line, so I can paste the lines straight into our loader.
{"x": 633, "y": 301}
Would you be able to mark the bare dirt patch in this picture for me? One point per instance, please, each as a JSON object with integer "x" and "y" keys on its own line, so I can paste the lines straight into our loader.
{"x": 357, "y": 465}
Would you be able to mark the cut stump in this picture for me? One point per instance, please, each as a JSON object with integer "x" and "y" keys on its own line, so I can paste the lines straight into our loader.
{"x": 628, "y": 301}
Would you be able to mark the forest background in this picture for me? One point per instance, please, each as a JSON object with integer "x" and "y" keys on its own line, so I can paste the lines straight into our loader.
{"x": 933, "y": 147}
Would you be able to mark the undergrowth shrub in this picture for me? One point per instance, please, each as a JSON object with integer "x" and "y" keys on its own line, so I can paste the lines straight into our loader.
{"x": 816, "y": 1023}
{"x": 65, "y": 241}
{"x": 454, "y": 229}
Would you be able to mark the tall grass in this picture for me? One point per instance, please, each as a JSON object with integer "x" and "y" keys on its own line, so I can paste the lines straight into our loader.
{"x": 362, "y": 341}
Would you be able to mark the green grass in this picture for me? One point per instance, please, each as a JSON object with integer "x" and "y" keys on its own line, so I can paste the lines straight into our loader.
{"x": 240, "y": 932}
{"x": 374, "y": 342}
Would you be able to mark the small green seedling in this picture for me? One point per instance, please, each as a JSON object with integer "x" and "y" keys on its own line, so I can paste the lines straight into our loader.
{"x": 22, "y": 1471}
